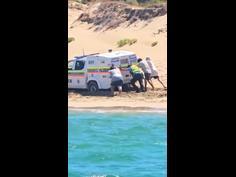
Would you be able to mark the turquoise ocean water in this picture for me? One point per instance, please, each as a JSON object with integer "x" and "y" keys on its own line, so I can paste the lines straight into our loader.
{"x": 121, "y": 144}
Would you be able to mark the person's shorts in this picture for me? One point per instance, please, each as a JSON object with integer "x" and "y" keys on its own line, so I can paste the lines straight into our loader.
{"x": 117, "y": 83}
{"x": 147, "y": 76}
{"x": 137, "y": 76}
{"x": 155, "y": 77}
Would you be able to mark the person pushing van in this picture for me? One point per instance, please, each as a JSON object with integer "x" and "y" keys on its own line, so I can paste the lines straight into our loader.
{"x": 137, "y": 76}
{"x": 116, "y": 79}
{"x": 154, "y": 71}
{"x": 147, "y": 72}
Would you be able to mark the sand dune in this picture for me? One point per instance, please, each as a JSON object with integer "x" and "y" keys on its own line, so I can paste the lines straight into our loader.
{"x": 91, "y": 42}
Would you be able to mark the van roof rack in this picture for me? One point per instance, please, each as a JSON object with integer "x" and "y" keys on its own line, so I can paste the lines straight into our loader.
{"x": 82, "y": 56}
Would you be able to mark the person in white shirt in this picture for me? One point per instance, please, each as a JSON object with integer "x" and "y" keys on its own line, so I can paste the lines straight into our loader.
{"x": 147, "y": 72}
{"x": 154, "y": 71}
{"x": 116, "y": 79}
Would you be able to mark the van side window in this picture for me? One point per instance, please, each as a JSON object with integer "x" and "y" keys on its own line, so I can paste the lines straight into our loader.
{"x": 79, "y": 65}
{"x": 90, "y": 62}
{"x": 124, "y": 61}
{"x": 133, "y": 59}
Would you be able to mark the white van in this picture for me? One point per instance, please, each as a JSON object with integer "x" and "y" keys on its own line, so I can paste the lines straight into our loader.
{"x": 91, "y": 71}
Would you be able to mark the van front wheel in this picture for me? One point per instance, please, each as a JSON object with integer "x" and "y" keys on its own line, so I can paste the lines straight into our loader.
{"x": 93, "y": 87}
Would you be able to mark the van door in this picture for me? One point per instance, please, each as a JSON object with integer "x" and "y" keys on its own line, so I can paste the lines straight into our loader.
{"x": 124, "y": 62}
{"x": 77, "y": 76}
{"x": 98, "y": 72}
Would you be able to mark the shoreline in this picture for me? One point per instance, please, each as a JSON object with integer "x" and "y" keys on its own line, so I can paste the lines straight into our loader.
{"x": 121, "y": 110}
{"x": 160, "y": 108}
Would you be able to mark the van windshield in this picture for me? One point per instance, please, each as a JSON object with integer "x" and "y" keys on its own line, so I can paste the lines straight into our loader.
{"x": 70, "y": 64}
{"x": 79, "y": 65}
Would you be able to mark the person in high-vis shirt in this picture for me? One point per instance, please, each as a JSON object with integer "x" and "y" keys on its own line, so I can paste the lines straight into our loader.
{"x": 137, "y": 76}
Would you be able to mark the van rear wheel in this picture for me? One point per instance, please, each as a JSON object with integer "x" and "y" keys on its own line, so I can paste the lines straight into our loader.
{"x": 93, "y": 87}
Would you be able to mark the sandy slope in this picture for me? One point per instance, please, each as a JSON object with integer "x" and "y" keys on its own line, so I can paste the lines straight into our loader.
{"x": 91, "y": 42}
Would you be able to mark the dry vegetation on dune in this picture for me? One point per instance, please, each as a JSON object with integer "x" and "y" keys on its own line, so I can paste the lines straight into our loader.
{"x": 70, "y": 39}
{"x": 124, "y": 42}
{"x": 136, "y": 2}
{"x": 110, "y": 15}
{"x": 154, "y": 43}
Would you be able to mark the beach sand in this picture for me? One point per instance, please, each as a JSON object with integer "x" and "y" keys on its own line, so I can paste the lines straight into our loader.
{"x": 92, "y": 42}
{"x": 150, "y": 99}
